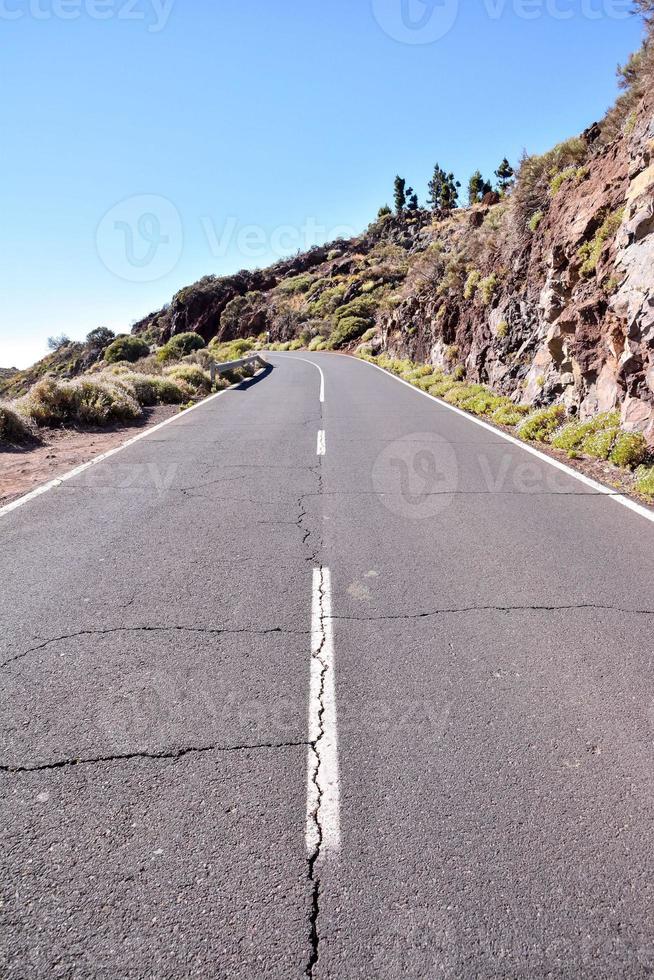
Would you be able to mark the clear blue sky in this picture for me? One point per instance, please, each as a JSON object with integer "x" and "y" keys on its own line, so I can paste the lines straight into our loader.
{"x": 292, "y": 116}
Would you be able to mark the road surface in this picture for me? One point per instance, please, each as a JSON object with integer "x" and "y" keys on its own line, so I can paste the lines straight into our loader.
{"x": 345, "y": 688}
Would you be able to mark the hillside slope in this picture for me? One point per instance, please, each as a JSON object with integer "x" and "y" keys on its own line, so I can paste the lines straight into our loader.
{"x": 546, "y": 295}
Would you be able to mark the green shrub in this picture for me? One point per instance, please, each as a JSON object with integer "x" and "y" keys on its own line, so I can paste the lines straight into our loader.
{"x": 502, "y": 329}
{"x": 297, "y": 284}
{"x": 422, "y": 371}
{"x": 510, "y": 414}
{"x": 192, "y": 374}
{"x": 14, "y": 427}
{"x": 590, "y": 252}
{"x": 473, "y": 398}
{"x": 362, "y": 307}
{"x": 441, "y": 388}
{"x": 172, "y": 392}
{"x": 426, "y": 381}
{"x": 542, "y": 424}
{"x": 180, "y": 345}
{"x": 470, "y": 288}
{"x": 573, "y": 435}
{"x": 126, "y": 348}
{"x": 629, "y": 449}
{"x": 347, "y": 329}
{"x": 86, "y": 400}
{"x": 459, "y": 372}
{"x": 645, "y": 480}
{"x": 143, "y": 387}
{"x": 535, "y": 220}
{"x": 328, "y": 301}
{"x": 487, "y": 288}
{"x": 316, "y": 343}
{"x": 532, "y": 186}
{"x": 569, "y": 173}
{"x": 600, "y": 443}
{"x": 369, "y": 335}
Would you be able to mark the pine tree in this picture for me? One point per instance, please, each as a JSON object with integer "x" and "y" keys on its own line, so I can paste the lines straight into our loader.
{"x": 504, "y": 174}
{"x": 383, "y": 211}
{"x": 475, "y": 185}
{"x": 449, "y": 193}
{"x": 413, "y": 199}
{"x": 400, "y": 194}
{"x": 436, "y": 188}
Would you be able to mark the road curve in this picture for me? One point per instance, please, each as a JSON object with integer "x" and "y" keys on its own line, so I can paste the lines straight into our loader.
{"x": 343, "y": 688}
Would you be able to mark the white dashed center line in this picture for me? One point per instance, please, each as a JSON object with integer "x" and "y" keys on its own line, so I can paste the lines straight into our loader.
{"x": 323, "y": 833}
{"x": 321, "y": 449}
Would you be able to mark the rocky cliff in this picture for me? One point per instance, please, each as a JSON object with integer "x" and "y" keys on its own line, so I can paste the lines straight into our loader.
{"x": 546, "y": 294}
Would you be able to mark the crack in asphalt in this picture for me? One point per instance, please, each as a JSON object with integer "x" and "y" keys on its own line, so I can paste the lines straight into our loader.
{"x": 173, "y": 754}
{"x": 314, "y": 856}
{"x": 208, "y": 630}
{"x": 456, "y": 610}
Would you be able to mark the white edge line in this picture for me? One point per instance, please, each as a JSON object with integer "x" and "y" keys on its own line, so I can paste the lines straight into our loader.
{"x": 598, "y": 487}
{"x": 111, "y": 452}
{"x": 307, "y": 361}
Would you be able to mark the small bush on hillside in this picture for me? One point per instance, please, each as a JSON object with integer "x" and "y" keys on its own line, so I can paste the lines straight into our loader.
{"x": 180, "y": 345}
{"x": 440, "y": 389}
{"x": 126, "y": 349}
{"x": 487, "y": 288}
{"x": 347, "y": 329}
{"x": 510, "y": 414}
{"x": 428, "y": 380}
{"x": 573, "y": 435}
{"x": 86, "y": 400}
{"x": 600, "y": 443}
{"x": 576, "y": 174}
{"x": 590, "y": 252}
{"x": 143, "y": 387}
{"x": 173, "y": 391}
{"x": 470, "y": 288}
{"x": 298, "y": 284}
{"x": 629, "y": 449}
{"x": 502, "y": 330}
{"x": 645, "y": 480}
{"x": 542, "y": 424}
{"x": 532, "y": 186}
{"x": 14, "y": 428}
{"x": 361, "y": 307}
{"x": 535, "y": 220}
{"x": 328, "y": 301}
{"x": 192, "y": 374}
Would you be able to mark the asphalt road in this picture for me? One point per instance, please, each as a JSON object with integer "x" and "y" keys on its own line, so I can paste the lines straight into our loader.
{"x": 377, "y": 703}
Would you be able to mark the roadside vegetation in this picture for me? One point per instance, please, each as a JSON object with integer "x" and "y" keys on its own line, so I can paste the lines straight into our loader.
{"x": 598, "y": 438}
{"x": 123, "y": 376}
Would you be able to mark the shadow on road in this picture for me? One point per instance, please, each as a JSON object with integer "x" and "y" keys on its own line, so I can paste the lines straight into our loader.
{"x": 250, "y": 382}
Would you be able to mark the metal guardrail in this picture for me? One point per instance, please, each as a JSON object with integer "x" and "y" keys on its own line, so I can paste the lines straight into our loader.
{"x": 216, "y": 369}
